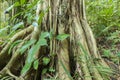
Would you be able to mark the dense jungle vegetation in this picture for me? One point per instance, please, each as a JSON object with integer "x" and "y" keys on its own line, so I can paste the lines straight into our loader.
{"x": 59, "y": 39}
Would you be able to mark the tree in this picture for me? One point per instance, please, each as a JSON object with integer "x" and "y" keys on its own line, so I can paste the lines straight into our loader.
{"x": 60, "y": 38}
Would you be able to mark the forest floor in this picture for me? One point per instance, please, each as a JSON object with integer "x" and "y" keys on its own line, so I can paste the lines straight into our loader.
{"x": 110, "y": 53}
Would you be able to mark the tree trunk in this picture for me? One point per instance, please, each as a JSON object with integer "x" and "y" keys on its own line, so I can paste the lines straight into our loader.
{"x": 68, "y": 16}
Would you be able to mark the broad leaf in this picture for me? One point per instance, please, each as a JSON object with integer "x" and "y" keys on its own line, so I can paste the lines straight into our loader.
{"x": 46, "y": 60}
{"x": 62, "y": 36}
{"x": 42, "y": 42}
{"x": 34, "y": 49}
{"x": 44, "y": 34}
{"x": 30, "y": 57}
{"x": 44, "y": 70}
{"x": 25, "y": 68}
{"x": 36, "y": 64}
{"x": 27, "y": 45}
{"x": 31, "y": 54}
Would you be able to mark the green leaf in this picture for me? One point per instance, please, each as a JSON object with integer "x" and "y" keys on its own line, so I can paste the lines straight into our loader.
{"x": 14, "y": 16}
{"x": 34, "y": 49}
{"x": 32, "y": 4}
{"x": 51, "y": 34}
{"x": 4, "y": 29}
{"x": 18, "y": 25}
{"x": 36, "y": 64}
{"x": 27, "y": 45}
{"x": 62, "y": 36}
{"x": 44, "y": 34}
{"x": 51, "y": 69}
{"x": 46, "y": 60}
{"x": 22, "y": 2}
{"x": 41, "y": 17}
{"x": 26, "y": 68}
{"x": 17, "y": 4}
{"x": 118, "y": 54}
{"x": 44, "y": 70}
{"x": 10, "y": 8}
{"x": 14, "y": 44}
{"x": 106, "y": 53}
{"x": 43, "y": 42}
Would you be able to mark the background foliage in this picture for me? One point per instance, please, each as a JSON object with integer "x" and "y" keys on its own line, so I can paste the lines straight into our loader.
{"x": 104, "y": 18}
